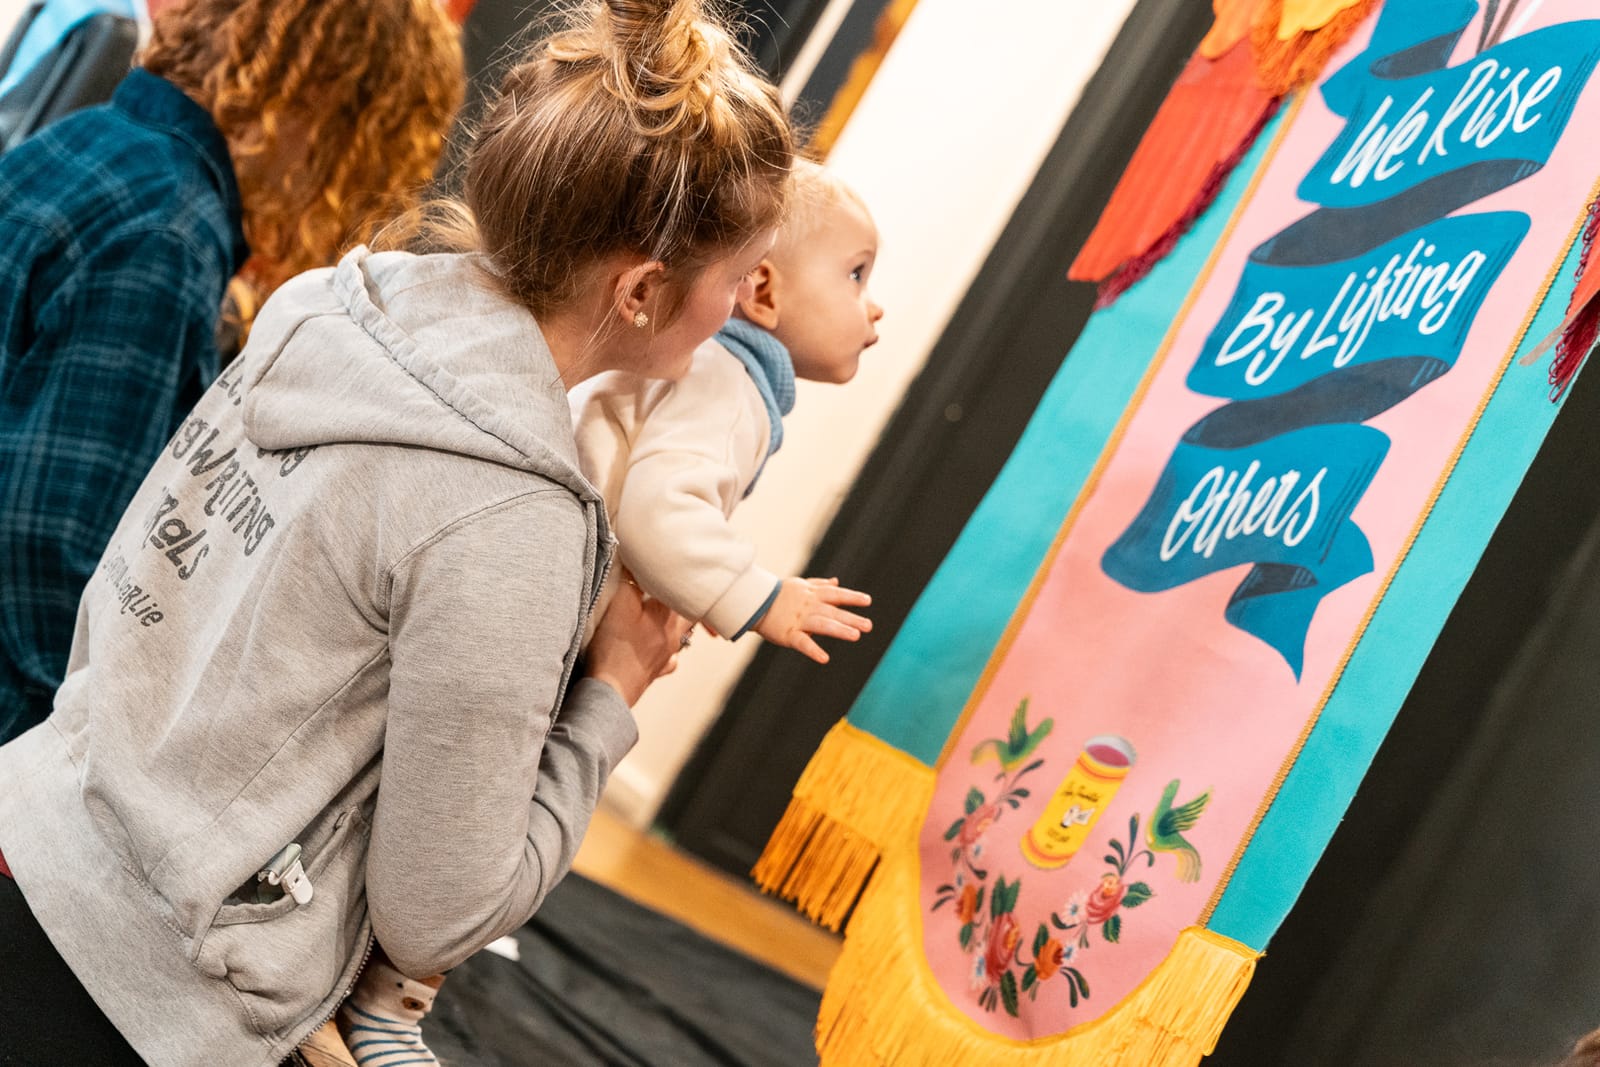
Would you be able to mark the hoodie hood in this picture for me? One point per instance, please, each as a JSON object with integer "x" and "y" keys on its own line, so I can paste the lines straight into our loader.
{"x": 400, "y": 349}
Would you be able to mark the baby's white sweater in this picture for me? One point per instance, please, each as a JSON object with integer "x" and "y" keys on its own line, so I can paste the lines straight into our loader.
{"x": 672, "y": 460}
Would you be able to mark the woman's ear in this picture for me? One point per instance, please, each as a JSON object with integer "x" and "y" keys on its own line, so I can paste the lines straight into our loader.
{"x": 636, "y": 292}
{"x": 760, "y": 305}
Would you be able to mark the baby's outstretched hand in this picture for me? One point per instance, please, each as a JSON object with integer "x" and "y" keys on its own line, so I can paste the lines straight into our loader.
{"x": 807, "y": 606}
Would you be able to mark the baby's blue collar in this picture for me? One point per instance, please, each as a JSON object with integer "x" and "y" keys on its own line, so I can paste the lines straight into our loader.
{"x": 767, "y": 361}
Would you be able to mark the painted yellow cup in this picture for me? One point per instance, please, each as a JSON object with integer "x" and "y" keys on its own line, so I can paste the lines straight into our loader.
{"x": 1078, "y": 801}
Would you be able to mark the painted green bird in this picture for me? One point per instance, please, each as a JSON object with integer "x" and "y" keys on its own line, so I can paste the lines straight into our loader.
{"x": 1167, "y": 824}
{"x": 1019, "y": 743}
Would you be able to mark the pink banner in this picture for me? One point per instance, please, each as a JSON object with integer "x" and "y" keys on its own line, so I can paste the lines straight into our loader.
{"x": 1218, "y": 570}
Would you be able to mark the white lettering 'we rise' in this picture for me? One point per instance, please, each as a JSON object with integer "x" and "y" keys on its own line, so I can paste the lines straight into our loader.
{"x": 1496, "y": 97}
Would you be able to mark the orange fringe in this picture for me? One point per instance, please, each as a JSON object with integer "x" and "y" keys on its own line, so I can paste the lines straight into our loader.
{"x": 1234, "y": 19}
{"x": 1284, "y": 64}
{"x": 1305, "y": 16}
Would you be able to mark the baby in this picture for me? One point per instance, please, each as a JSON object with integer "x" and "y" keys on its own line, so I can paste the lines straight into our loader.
{"x": 674, "y": 458}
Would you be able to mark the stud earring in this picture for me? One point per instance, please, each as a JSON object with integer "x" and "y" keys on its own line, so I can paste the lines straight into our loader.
{"x": 640, "y": 319}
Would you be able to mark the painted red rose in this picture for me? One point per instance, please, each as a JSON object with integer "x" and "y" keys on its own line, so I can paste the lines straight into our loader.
{"x": 1048, "y": 960}
{"x": 1104, "y": 901}
{"x": 967, "y": 905}
{"x": 977, "y": 824}
{"x": 1004, "y": 934}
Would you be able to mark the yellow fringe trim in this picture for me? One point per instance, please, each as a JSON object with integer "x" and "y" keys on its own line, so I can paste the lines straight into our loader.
{"x": 883, "y": 1007}
{"x": 857, "y": 796}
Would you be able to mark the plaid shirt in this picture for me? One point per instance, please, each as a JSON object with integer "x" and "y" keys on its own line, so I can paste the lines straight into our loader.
{"x": 119, "y": 230}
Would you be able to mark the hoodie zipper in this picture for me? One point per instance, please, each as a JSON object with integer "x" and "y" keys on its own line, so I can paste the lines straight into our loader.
{"x": 366, "y": 955}
{"x": 595, "y": 589}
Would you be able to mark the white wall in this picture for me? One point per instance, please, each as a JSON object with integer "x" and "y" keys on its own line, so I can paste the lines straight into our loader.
{"x": 10, "y": 11}
{"x": 945, "y": 142}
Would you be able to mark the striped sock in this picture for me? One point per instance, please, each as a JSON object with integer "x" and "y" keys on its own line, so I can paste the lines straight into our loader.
{"x": 381, "y": 1021}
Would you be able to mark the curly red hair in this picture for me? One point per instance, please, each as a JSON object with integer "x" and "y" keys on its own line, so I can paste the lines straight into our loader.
{"x": 335, "y": 113}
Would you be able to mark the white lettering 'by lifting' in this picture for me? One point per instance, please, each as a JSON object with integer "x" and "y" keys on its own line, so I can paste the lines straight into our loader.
{"x": 1420, "y": 288}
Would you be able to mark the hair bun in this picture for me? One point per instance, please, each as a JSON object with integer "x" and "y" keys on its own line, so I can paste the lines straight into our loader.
{"x": 639, "y": 26}
{"x": 664, "y": 58}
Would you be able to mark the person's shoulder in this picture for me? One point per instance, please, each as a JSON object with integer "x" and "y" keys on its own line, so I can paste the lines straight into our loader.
{"x": 95, "y": 172}
{"x": 100, "y": 146}
{"x": 714, "y": 368}
{"x": 715, "y": 394}
{"x": 50, "y": 177}
{"x": 613, "y": 396}
{"x": 713, "y": 355}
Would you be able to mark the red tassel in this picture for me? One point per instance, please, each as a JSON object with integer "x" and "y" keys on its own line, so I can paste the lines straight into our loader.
{"x": 1204, "y": 127}
{"x": 1136, "y": 268}
{"x": 1583, "y": 314}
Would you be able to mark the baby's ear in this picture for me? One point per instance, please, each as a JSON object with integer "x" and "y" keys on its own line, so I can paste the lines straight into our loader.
{"x": 760, "y": 304}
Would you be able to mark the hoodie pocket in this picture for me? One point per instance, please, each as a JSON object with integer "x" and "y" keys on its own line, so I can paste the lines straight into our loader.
{"x": 283, "y": 959}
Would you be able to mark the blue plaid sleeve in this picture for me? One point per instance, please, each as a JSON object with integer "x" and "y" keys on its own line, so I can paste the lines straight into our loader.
{"x": 115, "y": 351}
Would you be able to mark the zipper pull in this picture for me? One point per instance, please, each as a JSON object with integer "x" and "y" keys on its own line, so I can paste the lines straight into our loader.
{"x": 285, "y": 871}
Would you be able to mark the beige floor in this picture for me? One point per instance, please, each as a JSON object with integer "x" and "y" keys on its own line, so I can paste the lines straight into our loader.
{"x": 650, "y": 872}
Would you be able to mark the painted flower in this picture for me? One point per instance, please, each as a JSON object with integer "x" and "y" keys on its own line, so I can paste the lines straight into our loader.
{"x": 1004, "y": 935}
{"x": 977, "y": 824}
{"x": 1104, "y": 901}
{"x": 1069, "y": 954}
{"x": 967, "y": 904}
{"x": 1072, "y": 910}
{"x": 1049, "y": 958}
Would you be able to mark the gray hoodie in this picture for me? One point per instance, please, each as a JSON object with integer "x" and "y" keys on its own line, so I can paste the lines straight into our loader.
{"x": 342, "y": 612}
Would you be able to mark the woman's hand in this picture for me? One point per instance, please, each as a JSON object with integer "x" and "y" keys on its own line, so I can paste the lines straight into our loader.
{"x": 637, "y": 641}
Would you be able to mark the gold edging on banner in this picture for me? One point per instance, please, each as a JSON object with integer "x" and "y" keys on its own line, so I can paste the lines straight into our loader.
{"x": 857, "y": 795}
{"x": 883, "y": 1006}
{"x": 1026, "y": 603}
{"x": 1405, "y": 551}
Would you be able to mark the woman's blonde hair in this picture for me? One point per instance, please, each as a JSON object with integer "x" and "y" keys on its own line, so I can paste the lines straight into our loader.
{"x": 639, "y": 127}
{"x": 362, "y": 90}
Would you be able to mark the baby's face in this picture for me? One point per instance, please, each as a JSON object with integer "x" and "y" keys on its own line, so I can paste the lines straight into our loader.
{"x": 826, "y": 317}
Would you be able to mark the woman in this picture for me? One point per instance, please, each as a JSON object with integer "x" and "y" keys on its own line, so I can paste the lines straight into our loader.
{"x": 325, "y": 686}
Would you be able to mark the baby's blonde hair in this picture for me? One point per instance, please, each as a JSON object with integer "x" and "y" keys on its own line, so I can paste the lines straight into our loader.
{"x": 813, "y": 189}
